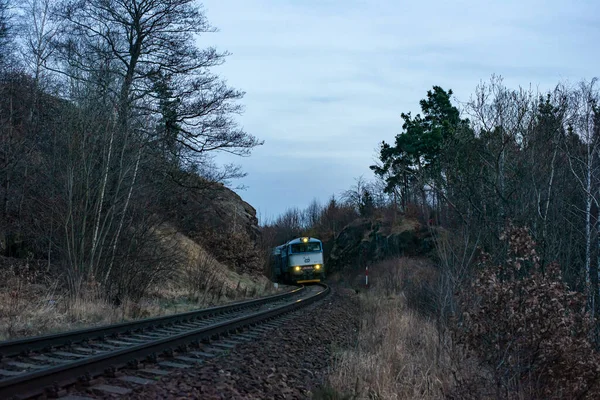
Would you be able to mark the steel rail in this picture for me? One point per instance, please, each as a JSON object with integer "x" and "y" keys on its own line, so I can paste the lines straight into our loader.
{"x": 20, "y": 346}
{"x": 33, "y": 384}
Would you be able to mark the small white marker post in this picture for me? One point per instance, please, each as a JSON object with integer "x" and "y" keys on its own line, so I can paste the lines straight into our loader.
{"x": 367, "y": 276}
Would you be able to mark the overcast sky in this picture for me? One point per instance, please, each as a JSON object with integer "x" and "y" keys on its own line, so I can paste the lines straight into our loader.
{"x": 326, "y": 81}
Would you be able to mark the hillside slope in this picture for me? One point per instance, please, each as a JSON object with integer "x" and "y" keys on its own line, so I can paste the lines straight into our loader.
{"x": 210, "y": 255}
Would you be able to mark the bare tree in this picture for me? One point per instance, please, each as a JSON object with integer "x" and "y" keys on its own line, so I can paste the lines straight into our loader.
{"x": 584, "y": 168}
{"x": 5, "y": 33}
{"x": 354, "y": 196}
{"x": 150, "y": 47}
{"x": 38, "y": 32}
{"x": 144, "y": 105}
{"x": 312, "y": 214}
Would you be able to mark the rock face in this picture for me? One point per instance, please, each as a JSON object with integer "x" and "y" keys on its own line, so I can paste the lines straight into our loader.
{"x": 365, "y": 241}
{"x": 224, "y": 224}
{"x": 226, "y": 210}
{"x": 231, "y": 231}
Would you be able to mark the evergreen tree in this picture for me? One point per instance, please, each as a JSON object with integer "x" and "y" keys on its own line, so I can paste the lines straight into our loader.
{"x": 415, "y": 157}
{"x": 367, "y": 205}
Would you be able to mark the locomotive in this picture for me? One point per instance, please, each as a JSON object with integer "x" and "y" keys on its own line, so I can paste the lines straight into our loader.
{"x": 298, "y": 261}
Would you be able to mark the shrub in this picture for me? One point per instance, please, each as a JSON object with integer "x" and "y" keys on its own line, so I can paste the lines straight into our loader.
{"x": 530, "y": 334}
{"x": 199, "y": 277}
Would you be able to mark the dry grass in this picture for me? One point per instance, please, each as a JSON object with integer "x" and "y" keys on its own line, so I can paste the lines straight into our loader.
{"x": 400, "y": 353}
{"x": 32, "y": 303}
{"x": 200, "y": 273}
{"x": 405, "y": 224}
{"x": 33, "y": 309}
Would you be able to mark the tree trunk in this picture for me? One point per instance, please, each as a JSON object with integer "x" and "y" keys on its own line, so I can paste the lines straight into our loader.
{"x": 125, "y": 207}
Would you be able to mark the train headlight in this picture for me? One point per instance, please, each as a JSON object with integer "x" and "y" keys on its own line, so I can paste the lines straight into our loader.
{"x": 297, "y": 268}
{"x": 318, "y": 267}
{"x": 304, "y": 239}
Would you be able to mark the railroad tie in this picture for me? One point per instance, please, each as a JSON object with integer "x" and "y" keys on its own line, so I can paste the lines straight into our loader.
{"x": 173, "y": 364}
{"x": 189, "y": 359}
{"x": 154, "y": 371}
{"x": 224, "y": 345}
{"x": 203, "y": 354}
{"x": 19, "y": 364}
{"x": 136, "y": 380}
{"x": 111, "y": 389}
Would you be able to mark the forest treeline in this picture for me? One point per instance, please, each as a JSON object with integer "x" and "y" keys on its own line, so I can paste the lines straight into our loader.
{"x": 508, "y": 184}
{"x": 511, "y": 158}
{"x": 506, "y": 157}
{"x": 110, "y": 116}
{"x": 514, "y": 181}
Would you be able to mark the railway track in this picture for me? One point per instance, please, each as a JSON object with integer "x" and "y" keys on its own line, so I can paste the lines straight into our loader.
{"x": 44, "y": 365}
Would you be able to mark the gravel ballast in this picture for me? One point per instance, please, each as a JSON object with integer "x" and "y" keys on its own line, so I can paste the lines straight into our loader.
{"x": 288, "y": 362}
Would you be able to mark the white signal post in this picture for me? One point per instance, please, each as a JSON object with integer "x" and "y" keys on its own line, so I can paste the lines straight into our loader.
{"x": 367, "y": 275}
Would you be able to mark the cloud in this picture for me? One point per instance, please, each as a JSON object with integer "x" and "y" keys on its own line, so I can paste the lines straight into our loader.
{"x": 326, "y": 80}
{"x": 324, "y": 99}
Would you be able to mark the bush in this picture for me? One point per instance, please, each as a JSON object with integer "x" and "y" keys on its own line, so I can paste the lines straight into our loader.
{"x": 199, "y": 277}
{"x": 530, "y": 334}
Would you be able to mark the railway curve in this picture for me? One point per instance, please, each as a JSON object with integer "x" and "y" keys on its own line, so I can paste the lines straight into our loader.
{"x": 43, "y": 365}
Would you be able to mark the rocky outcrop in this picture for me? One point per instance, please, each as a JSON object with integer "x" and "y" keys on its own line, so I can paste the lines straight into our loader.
{"x": 365, "y": 241}
{"x": 226, "y": 210}
{"x": 225, "y": 225}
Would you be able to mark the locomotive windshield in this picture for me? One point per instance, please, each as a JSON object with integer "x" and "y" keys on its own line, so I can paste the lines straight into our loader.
{"x": 306, "y": 247}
